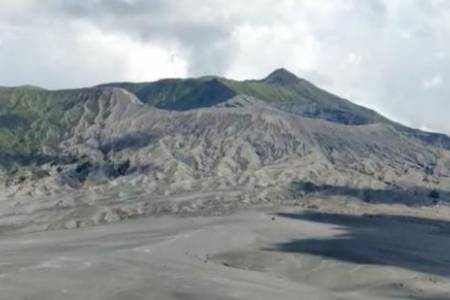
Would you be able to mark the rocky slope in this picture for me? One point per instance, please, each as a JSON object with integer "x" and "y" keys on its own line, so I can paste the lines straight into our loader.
{"x": 281, "y": 89}
{"x": 89, "y": 156}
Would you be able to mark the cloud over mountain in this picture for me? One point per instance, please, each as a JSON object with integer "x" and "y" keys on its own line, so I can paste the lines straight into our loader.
{"x": 379, "y": 53}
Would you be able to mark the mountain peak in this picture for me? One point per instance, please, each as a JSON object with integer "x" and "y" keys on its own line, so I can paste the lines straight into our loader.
{"x": 281, "y": 76}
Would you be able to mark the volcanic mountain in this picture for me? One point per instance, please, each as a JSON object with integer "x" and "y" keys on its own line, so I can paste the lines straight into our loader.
{"x": 120, "y": 150}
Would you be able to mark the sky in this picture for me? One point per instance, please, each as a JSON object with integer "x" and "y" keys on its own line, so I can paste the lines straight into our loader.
{"x": 389, "y": 55}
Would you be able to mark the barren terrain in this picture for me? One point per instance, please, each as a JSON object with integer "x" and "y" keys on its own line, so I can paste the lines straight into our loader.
{"x": 335, "y": 252}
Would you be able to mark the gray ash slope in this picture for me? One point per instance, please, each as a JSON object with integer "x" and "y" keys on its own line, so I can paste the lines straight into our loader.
{"x": 227, "y": 142}
{"x": 280, "y": 89}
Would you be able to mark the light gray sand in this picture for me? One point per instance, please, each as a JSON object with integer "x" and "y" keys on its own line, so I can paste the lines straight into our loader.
{"x": 287, "y": 253}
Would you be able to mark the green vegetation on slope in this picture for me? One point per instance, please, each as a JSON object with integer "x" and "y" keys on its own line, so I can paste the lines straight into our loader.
{"x": 33, "y": 121}
{"x": 281, "y": 88}
{"x": 179, "y": 94}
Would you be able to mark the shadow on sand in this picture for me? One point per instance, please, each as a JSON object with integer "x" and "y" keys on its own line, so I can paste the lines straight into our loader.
{"x": 412, "y": 243}
{"x": 419, "y": 196}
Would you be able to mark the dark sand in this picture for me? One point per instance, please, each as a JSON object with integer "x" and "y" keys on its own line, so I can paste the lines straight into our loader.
{"x": 286, "y": 253}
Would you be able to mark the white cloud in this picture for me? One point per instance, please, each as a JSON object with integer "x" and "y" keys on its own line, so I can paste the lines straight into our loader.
{"x": 405, "y": 34}
{"x": 380, "y": 53}
{"x": 433, "y": 82}
{"x": 80, "y": 54}
{"x": 354, "y": 59}
{"x": 138, "y": 60}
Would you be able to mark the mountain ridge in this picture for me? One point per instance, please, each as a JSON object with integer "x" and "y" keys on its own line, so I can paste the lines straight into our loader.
{"x": 182, "y": 94}
{"x": 103, "y": 139}
{"x": 298, "y": 97}
{"x": 281, "y": 76}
